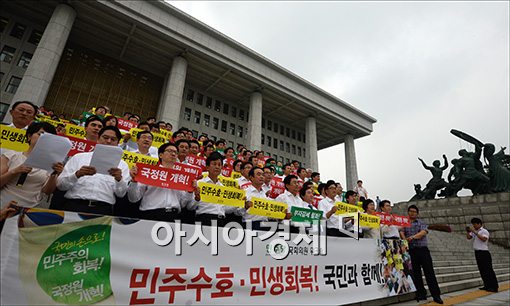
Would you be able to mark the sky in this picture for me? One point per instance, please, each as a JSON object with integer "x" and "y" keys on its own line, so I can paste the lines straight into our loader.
{"x": 419, "y": 68}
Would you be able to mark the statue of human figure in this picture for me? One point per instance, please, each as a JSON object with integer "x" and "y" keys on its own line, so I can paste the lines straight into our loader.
{"x": 453, "y": 180}
{"x": 499, "y": 175}
{"x": 436, "y": 182}
{"x": 472, "y": 175}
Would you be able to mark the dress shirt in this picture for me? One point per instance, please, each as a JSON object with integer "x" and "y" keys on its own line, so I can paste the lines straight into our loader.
{"x": 325, "y": 205}
{"x": 291, "y": 200}
{"x": 243, "y": 181}
{"x": 210, "y": 208}
{"x": 252, "y": 192}
{"x": 266, "y": 187}
{"x": 479, "y": 244}
{"x": 157, "y": 197}
{"x": 97, "y": 187}
{"x": 416, "y": 227}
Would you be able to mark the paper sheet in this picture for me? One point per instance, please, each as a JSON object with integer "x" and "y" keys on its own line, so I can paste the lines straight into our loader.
{"x": 106, "y": 157}
{"x": 48, "y": 150}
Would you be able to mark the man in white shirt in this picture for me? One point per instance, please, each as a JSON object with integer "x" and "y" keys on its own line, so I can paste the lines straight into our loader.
{"x": 388, "y": 231}
{"x": 93, "y": 125}
{"x": 22, "y": 113}
{"x": 158, "y": 203}
{"x": 291, "y": 198}
{"x": 328, "y": 207}
{"x": 244, "y": 181}
{"x": 361, "y": 191}
{"x": 287, "y": 169}
{"x": 482, "y": 254}
{"x": 256, "y": 175}
{"x": 268, "y": 176}
{"x": 144, "y": 144}
{"x": 88, "y": 191}
{"x": 205, "y": 212}
{"x": 182, "y": 150}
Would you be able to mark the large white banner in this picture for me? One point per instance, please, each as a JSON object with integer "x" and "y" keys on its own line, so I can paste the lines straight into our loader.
{"x": 108, "y": 261}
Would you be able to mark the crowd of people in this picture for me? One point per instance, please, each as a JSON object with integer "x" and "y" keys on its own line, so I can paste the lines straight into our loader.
{"x": 76, "y": 186}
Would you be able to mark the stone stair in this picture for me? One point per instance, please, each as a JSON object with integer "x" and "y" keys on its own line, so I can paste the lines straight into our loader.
{"x": 455, "y": 265}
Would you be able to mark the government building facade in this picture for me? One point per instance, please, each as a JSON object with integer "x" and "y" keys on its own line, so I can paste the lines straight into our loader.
{"x": 149, "y": 58}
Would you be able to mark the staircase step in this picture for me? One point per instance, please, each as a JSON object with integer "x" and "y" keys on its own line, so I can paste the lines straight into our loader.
{"x": 449, "y": 277}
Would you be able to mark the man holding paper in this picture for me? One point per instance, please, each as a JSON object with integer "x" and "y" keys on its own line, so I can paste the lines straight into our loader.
{"x": 205, "y": 212}
{"x": 158, "y": 203}
{"x": 21, "y": 183}
{"x": 328, "y": 207}
{"x": 256, "y": 175}
{"x": 92, "y": 182}
{"x": 291, "y": 198}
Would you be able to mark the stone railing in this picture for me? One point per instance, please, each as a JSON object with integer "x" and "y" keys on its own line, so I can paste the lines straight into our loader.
{"x": 493, "y": 209}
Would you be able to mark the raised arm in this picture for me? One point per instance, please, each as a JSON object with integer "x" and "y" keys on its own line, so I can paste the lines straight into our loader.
{"x": 424, "y": 165}
{"x": 445, "y": 163}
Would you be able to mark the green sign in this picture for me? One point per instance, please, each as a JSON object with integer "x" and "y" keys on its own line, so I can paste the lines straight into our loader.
{"x": 305, "y": 215}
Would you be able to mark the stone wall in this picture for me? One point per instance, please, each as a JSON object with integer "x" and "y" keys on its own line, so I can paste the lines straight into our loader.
{"x": 493, "y": 209}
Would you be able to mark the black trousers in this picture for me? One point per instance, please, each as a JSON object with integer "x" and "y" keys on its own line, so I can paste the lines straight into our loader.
{"x": 420, "y": 258}
{"x": 207, "y": 218}
{"x": 484, "y": 262}
{"x": 84, "y": 206}
{"x": 160, "y": 214}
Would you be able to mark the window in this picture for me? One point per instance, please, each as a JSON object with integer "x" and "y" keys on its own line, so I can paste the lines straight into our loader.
{"x": 231, "y": 143}
{"x": 195, "y": 133}
{"x": 288, "y": 132}
{"x": 1, "y": 76}
{"x": 24, "y": 60}
{"x": 3, "y": 110}
{"x": 223, "y": 126}
{"x": 269, "y": 125}
{"x": 200, "y": 98}
{"x": 18, "y": 30}
{"x": 293, "y": 149}
{"x": 299, "y": 151}
{"x": 197, "y": 117}
{"x": 247, "y": 116}
{"x": 269, "y": 141}
{"x": 245, "y": 132}
{"x": 287, "y": 147}
{"x": 207, "y": 119}
{"x": 304, "y": 152}
{"x": 234, "y": 111}
{"x": 240, "y": 131}
{"x": 225, "y": 108}
{"x": 263, "y": 123}
{"x": 275, "y": 157}
{"x": 208, "y": 103}
{"x": 189, "y": 95}
{"x": 13, "y": 85}
{"x": 299, "y": 136}
{"x": 35, "y": 37}
{"x": 275, "y": 143}
{"x": 287, "y": 161}
{"x": 281, "y": 159}
{"x": 232, "y": 129}
{"x": 262, "y": 138}
{"x": 187, "y": 114}
{"x": 7, "y": 54}
{"x": 216, "y": 123}
{"x": 213, "y": 138}
{"x": 3, "y": 24}
{"x": 281, "y": 145}
{"x": 217, "y": 106}
{"x": 282, "y": 129}
{"x": 304, "y": 139}
{"x": 241, "y": 114}
{"x": 293, "y": 134}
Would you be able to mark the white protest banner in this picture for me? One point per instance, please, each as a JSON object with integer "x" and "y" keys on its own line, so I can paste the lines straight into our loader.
{"x": 106, "y": 157}
{"x": 114, "y": 261}
{"x": 48, "y": 150}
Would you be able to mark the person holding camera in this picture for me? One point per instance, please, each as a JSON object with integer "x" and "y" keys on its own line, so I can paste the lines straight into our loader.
{"x": 482, "y": 254}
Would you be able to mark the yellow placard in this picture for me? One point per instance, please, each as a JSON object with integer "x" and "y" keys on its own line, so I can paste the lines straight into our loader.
{"x": 131, "y": 158}
{"x": 268, "y": 208}
{"x": 166, "y": 134}
{"x": 215, "y": 194}
{"x": 48, "y": 119}
{"x": 75, "y": 131}
{"x": 344, "y": 208}
{"x": 235, "y": 175}
{"x": 157, "y": 139}
{"x": 12, "y": 138}
{"x": 228, "y": 182}
{"x": 366, "y": 220}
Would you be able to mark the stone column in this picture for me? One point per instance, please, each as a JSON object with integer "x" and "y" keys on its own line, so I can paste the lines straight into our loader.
{"x": 171, "y": 101}
{"x": 255, "y": 122}
{"x": 351, "y": 170}
{"x": 37, "y": 79}
{"x": 311, "y": 136}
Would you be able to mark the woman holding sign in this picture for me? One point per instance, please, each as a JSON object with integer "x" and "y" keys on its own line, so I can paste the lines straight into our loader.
{"x": 23, "y": 184}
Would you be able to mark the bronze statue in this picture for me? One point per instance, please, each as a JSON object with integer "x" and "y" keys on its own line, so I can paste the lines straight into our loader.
{"x": 436, "y": 182}
{"x": 468, "y": 172}
{"x": 499, "y": 175}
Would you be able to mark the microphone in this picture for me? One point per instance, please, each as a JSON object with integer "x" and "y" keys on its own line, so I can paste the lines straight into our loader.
{"x": 21, "y": 179}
